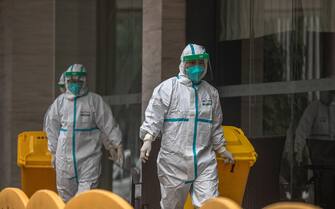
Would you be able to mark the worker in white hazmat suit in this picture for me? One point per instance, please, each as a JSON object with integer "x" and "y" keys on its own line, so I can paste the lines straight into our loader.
{"x": 186, "y": 111}
{"x": 74, "y": 124}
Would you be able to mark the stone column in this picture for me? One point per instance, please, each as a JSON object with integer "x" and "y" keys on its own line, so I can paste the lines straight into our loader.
{"x": 163, "y": 42}
{"x": 26, "y": 74}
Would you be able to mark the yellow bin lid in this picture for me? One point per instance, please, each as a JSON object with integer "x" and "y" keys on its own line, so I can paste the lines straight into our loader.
{"x": 32, "y": 150}
{"x": 239, "y": 145}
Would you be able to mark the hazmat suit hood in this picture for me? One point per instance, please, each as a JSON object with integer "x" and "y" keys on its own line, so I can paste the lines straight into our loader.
{"x": 197, "y": 49}
{"x": 61, "y": 81}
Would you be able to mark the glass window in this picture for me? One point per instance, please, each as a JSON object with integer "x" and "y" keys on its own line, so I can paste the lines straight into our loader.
{"x": 274, "y": 70}
{"x": 119, "y": 81}
{"x": 284, "y": 43}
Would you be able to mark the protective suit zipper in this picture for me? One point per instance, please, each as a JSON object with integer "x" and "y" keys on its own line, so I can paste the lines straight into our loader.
{"x": 74, "y": 140}
{"x": 195, "y": 133}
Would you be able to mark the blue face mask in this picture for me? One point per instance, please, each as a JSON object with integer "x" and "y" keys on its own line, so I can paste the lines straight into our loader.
{"x": 75, "y": 88}
{"x": 194, "y": 73}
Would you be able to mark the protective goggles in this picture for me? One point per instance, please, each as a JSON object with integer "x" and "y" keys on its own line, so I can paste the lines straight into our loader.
{"x": 194, "y": 57}
{"x": 79, "y": 74}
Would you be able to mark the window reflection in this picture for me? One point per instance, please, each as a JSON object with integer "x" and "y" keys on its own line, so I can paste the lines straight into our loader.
{"x": 282, "y": 41}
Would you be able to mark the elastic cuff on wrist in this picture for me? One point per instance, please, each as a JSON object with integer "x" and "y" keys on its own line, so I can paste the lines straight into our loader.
{"x": 221, "y": 150}
{"x": 149, "y": 137}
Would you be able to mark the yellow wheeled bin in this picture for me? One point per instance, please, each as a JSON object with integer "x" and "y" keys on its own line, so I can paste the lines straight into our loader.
{"x": 34, "y": 159}
{"x": 233, "y": 178}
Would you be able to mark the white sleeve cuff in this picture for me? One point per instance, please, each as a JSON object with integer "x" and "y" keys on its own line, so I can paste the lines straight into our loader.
{"x": 221, "y": 150}
{"x": 149, "y": 137}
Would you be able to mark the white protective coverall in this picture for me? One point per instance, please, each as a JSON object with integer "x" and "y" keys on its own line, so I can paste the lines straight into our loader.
{"x": 189, "y": 119}
{"x": 74, "y": 125}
